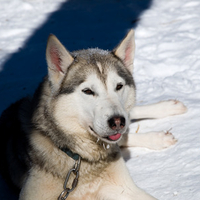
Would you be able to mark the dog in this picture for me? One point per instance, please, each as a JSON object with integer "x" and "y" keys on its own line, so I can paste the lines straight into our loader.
{"x": 64, "y": 142}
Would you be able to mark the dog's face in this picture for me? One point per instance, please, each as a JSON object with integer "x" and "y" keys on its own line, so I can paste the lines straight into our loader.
{"x": 93, "y": 90}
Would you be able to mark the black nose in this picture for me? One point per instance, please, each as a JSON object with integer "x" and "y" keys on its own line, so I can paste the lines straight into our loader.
{"x": 116, "y": 122}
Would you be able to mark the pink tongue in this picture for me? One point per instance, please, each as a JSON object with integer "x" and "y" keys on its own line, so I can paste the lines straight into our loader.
{"x": 115, "y": 137}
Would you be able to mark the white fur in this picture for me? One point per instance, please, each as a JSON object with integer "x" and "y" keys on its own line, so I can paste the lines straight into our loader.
{"x": 76, "y": 113}
{"x": 114, "y": 183}
{"x": 154, "y": 140}
{"x": 151, "y": 140}
{"x": 158, "y": 110}
{"x": 94, "y": 111}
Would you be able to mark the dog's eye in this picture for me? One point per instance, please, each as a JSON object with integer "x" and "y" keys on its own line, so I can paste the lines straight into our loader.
{"x": 119, "y": 86}
{"x": 88, "y": 91}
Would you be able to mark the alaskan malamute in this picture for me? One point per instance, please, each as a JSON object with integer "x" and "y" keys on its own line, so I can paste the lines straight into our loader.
{"x": 64, "y": 142}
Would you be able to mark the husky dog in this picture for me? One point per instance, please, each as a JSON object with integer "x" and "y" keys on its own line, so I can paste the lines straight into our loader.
{"x": 64, "y": 142}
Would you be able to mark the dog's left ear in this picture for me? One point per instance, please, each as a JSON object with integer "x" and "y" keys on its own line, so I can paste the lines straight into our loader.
{"x": 126, "y": 50}
{"x": 58, "y": 60}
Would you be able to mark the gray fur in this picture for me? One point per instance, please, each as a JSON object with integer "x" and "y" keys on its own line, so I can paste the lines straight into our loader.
{"x": 83, "y": 104}
{"x": 85, "y": 64}
{"x": 39, "y": 125}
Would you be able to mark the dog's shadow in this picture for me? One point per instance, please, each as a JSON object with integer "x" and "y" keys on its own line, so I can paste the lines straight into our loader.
{"x": 126, "y": 154}
{"x": 78, "y": 24}
{"x": 126, "y": 151}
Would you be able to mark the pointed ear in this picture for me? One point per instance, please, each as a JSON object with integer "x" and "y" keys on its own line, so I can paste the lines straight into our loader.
{"x": 58, "y": 61}
{"x": 126, "y": 50}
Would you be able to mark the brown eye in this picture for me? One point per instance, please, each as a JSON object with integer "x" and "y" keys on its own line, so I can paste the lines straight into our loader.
{"x": 119, "y": 86}
{"x": 88, "y": 91}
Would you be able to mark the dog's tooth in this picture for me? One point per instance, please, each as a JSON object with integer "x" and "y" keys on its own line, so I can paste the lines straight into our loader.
{"x": 108, "y": 146}
{"x": 98, "y": 140}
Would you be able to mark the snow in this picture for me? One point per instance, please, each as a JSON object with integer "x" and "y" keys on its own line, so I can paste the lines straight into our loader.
{"x": 167, "y": 66}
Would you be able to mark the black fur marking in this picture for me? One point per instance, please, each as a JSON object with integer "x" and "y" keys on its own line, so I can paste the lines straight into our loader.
{"x": 124, "y": 72}
{"x": 70, "y": 87}
{"x": 15, "y": 138}
{"x": 126, "y": 75}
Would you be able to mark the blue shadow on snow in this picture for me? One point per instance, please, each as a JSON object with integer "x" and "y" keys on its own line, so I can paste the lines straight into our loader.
{"x": 77, "y": 24}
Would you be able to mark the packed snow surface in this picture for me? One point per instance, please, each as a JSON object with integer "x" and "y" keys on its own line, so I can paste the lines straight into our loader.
{"x": 167, "y": 66}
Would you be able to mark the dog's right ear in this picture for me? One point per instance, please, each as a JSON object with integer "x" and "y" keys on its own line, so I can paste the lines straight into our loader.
{"x": 58, "y": 60}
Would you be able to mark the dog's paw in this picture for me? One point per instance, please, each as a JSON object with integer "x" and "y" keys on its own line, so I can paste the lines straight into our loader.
{"x": 160, "y": 140}
{"x": 176, "y": 107}
{"x": 171, "y": 107}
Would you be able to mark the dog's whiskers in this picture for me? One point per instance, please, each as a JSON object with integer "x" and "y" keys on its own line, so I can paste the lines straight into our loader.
{"x": 97, "y": 140}
{"x": 106, "y": 146}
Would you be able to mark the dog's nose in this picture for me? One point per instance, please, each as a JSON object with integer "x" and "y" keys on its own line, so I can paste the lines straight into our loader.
{"x": 117, "y": 122}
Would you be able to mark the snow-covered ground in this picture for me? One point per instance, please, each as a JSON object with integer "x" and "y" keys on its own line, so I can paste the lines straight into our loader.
{"x": 167, "y": 66}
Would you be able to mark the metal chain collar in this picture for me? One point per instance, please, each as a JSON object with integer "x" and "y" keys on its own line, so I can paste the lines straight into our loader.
{"x": 65, "y": 193}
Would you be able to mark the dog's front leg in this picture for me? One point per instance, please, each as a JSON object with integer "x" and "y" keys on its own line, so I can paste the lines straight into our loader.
{"x": 151, "y": 140}
{"x": 41, "y": 186}
{"x": 117, "y": 184}
{"x": 158, "y": 110}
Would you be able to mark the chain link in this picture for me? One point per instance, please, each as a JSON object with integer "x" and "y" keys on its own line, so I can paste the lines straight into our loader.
{"x": 65, "y": 193}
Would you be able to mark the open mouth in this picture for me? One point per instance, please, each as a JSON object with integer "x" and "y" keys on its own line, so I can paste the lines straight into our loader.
{"x": 112, "y": 138}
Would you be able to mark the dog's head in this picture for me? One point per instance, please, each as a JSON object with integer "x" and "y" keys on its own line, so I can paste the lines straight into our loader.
{"x": 93, "y": 90}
